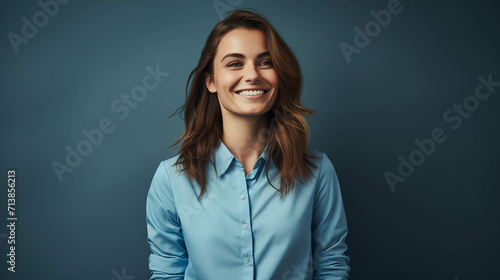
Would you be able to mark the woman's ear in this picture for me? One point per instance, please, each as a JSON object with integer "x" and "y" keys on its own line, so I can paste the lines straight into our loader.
{"x": 208, "y": 82}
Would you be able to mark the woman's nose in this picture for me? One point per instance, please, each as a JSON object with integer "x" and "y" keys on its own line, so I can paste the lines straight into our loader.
{"x": 251, "y": 74}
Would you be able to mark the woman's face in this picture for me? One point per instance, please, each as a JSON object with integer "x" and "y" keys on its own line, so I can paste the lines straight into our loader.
{"x": 242, "y": 62}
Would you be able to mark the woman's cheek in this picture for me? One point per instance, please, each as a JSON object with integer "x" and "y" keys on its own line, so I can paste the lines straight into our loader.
{"x": 271, "y": 77}
{"x": 231, "y": 82}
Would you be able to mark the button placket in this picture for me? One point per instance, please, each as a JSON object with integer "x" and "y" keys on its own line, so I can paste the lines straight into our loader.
{"x": 246, "y": 227}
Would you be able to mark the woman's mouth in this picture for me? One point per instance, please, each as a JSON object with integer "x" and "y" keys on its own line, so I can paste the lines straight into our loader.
{"x": 251, "y": 92}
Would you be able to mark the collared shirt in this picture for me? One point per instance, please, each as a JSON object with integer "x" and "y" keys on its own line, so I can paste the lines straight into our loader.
{"x": 241, "y": 229}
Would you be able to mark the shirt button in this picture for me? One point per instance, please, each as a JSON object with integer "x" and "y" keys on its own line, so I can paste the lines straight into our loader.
{"x": 242, "y": 196}
{"x": 247, "y": 260}
{"x": 245, "y": 226}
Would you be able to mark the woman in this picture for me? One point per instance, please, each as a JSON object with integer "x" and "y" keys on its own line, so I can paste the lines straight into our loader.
{"x": 245, "y": 197}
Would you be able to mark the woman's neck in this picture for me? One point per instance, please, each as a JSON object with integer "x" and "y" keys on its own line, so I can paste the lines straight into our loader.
{"x": 245, "y": 137}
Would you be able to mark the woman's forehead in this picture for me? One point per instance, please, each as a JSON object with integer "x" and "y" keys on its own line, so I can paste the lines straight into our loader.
{"x": 250, "y": 43}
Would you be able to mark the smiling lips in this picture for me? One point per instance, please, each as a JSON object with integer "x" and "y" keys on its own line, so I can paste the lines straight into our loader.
{"x": 251, "y": 92}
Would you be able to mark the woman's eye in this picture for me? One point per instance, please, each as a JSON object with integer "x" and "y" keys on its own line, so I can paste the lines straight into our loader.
{"x": 234, "y": 64}
{"x": 266, "y": 62}
{"x": 238, "y": 64}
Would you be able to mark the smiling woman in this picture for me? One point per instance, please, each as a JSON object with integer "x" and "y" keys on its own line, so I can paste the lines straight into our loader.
{"x": 246, "y": 74}
{"x": 213, "y": 211}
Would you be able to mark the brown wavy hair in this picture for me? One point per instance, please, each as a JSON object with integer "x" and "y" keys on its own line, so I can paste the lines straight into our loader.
{"x": 288, "y": 133}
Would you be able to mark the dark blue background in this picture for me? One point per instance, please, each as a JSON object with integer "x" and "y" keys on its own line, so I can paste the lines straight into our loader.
{"x": 442, "y": 222}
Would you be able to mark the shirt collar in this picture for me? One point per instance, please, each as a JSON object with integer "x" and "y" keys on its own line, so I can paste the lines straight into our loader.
{"x": 224, "y": 157}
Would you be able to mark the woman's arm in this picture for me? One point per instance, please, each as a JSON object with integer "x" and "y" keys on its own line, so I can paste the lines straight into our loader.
{"x": 329, "y": 227}
{"x": 169, "y": 258}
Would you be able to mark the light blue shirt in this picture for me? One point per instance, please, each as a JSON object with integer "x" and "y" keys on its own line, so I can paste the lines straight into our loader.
{"x": 240, "y": 229}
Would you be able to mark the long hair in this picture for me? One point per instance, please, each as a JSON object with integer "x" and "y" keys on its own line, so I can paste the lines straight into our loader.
{"x": 288, "y": 133}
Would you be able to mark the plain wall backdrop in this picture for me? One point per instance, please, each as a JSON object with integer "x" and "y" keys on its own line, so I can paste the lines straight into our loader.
{"x": 66, "y": 70}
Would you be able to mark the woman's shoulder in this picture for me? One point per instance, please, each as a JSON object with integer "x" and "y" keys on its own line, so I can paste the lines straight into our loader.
{"x": 171, "y": 160}
{"x": 314, "y": 153}
{"x": 170, "y": 163}
{"x": 320, "y": 159}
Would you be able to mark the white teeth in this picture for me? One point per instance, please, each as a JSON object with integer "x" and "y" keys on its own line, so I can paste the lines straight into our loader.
{"x": 251, "y": 92}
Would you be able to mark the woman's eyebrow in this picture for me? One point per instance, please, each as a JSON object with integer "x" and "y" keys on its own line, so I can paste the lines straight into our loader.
{"x": 239, "y": 55}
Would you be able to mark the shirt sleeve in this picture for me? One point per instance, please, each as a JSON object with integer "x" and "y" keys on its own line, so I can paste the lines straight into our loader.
{"x": 329, "y": 227}
{"x": 169, "y": 258}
